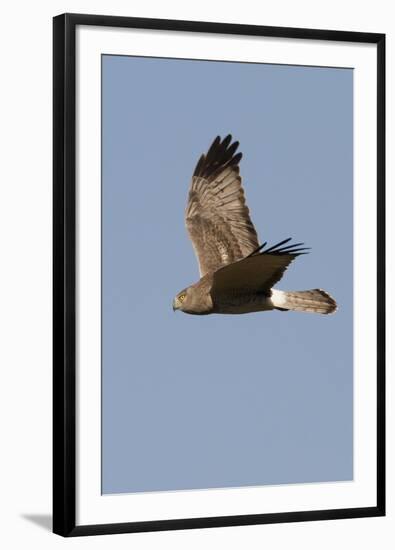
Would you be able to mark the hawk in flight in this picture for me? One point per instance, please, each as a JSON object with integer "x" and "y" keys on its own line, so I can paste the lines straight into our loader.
{"x": 237, "y": 274}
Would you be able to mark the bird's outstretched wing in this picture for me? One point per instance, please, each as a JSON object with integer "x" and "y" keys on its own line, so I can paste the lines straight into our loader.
{"x": 217, "y": 217}
{"x": 258, "y": 272}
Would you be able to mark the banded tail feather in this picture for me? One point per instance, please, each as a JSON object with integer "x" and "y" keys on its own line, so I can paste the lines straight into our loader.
{"x": 313, "y": 301}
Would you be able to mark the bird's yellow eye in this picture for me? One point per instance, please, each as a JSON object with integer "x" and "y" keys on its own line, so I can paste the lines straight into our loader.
{"x": 182, "y": 297}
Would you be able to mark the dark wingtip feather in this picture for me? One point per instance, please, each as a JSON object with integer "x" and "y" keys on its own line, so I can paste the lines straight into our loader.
{"x": 296, "y": 249}
{"x": 219, "y": 155}
{"x": 254, "y": 252}
{"x": 212, "y": 150}
{"x": 216, "y": 142}
{"x": 236, "y": 159}
{"x": 199, "y": 165}
{"x": 277, "y": 245}
{"x": 227, "y": 140}
{"x": 232, "y": 149}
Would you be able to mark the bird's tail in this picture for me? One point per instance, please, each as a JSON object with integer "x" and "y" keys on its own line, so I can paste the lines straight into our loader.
{"x": 314, "y": 301}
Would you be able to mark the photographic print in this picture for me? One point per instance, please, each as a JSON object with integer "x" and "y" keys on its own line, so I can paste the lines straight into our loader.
{"x": 219, "y": 290}
{"x": 211, "y": 400}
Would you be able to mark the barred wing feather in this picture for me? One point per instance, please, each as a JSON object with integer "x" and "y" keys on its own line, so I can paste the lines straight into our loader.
{"x": 217, "y": 217}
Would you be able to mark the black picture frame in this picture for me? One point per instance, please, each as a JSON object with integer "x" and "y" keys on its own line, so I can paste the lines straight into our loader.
{"x": 64, "y": 273}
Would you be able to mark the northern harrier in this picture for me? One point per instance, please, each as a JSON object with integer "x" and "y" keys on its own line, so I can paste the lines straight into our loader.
{"x": 237, "y": 274}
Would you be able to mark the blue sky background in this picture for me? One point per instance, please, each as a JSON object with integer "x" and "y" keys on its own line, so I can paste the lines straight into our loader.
{"x": 223, "y": 401}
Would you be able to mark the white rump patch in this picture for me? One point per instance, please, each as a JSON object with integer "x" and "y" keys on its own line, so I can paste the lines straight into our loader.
{"x": 278, "y": 298}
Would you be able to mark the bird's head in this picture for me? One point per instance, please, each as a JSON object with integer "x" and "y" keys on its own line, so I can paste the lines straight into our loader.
{"x": 193, "y": 300}
{"x": 182, "y": 300}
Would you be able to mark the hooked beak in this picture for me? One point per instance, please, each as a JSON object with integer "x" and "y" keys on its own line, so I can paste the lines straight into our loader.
{"x": 174, "y": 305}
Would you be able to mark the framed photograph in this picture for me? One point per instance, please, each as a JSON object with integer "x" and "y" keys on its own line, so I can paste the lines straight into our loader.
{"x": 219, "y": 293}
